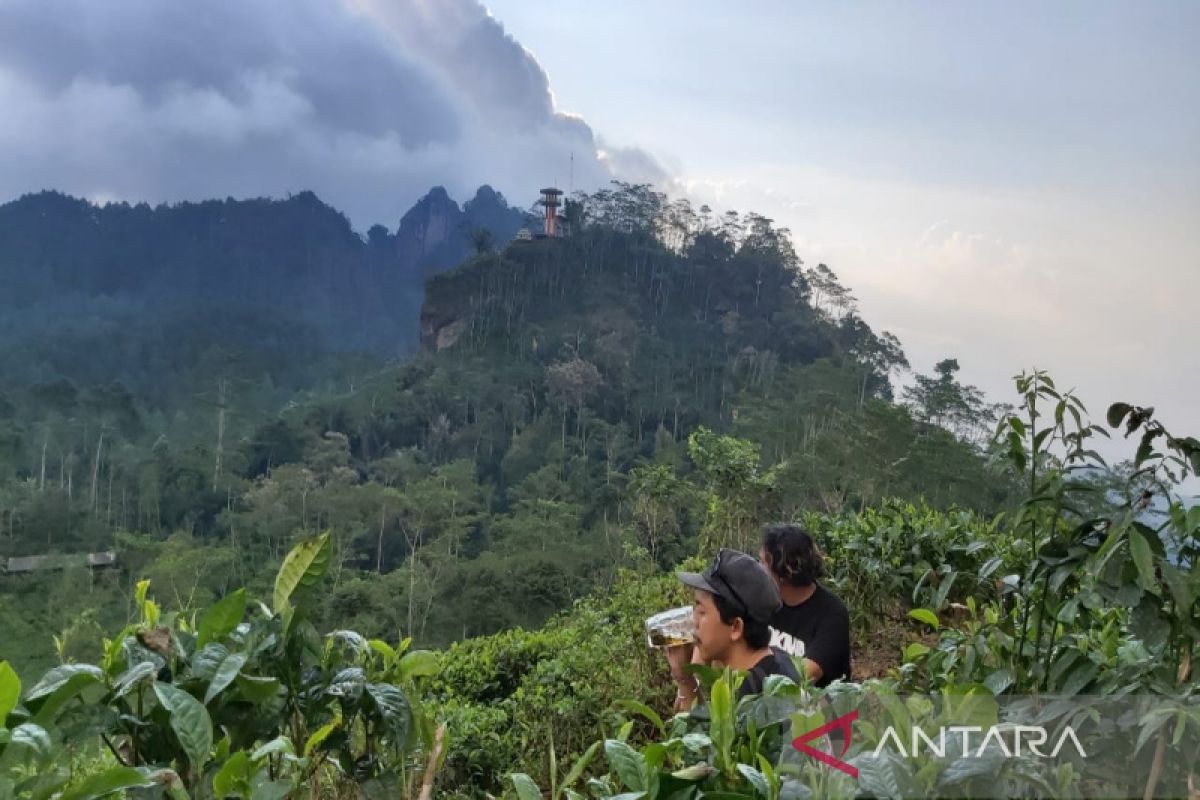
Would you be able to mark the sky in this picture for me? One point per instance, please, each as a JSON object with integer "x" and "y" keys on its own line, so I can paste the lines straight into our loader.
{"x": 1015, "y": 185}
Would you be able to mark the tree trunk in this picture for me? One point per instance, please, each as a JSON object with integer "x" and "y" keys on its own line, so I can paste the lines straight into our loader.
{"x": 96, "y": 471}
{"x": 220, "y": 431}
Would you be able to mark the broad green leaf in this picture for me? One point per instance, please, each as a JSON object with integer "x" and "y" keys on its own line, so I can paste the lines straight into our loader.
{"x": 418, "y": 664}
{"x": 130, "y": 677}
{"x": 721, "y": 726}
{"x": 233, "y": 775}
{"x": 383, "y": 649}
{"x": 209, "y": 658}
{"x": 1143, "y": 558}
{"x": 65, "y": 691}
{"x": 189, "y": 720}
{"x": 645, "y": 711}
{"x": 393, "y": 708}
{"x": 926, "y": 616}
{"x": 354, "y": 640}
{"x": 104, "y": 783}
{"x": 272, "y": 790}
{"x": 878, "y": 776}
{"x": 280, "y": 744}
{"x": 33, "y": 737}
{"x": 320, "y": 735}
{"x": 302, "y": 570}
{"x": 347, "y": 683}
{"x": 256, "y": 689}
{"x": 526, "y": 788}
{"x": 1078, "y": 678}
{"x": 627, "y": 763}
{"x": 581, "y": 764}
{"x": 756, "y": 779}
{"x": 226, "y": 672}
{"x": 999, "y": 681}
{"x": 56, "y": 678}
{"x": 10, "y": 690}
{"x": 1177, "y": 582}
{"x": 222, "y": 618}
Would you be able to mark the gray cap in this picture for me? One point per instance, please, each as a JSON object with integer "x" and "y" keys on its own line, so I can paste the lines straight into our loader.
{"x": 741, "y": 580}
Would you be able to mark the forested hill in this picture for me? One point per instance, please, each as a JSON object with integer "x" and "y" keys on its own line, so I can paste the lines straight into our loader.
{"x": 570, "y": 398}
{"x": 125, "y": 282}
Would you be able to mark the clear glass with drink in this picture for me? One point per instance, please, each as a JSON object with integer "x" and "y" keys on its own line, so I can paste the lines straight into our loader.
{"x": 670, "y": 628}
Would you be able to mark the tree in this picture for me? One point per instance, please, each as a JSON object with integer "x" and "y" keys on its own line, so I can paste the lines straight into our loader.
{"x": 941, "y": 400}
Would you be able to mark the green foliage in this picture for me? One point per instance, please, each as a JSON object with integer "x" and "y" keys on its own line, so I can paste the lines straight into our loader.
{"x": 227, "y": 711}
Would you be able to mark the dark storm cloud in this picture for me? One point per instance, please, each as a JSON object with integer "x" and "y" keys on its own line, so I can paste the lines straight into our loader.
{"x": 367, "y": 103}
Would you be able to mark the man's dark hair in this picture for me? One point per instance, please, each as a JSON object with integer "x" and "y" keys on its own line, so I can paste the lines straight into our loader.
{"x": 757, "y": 634}
{"x": 792, "y": 554}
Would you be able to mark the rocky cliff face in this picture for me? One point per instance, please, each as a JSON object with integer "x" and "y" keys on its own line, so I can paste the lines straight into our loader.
{"x": 435, "y": 233}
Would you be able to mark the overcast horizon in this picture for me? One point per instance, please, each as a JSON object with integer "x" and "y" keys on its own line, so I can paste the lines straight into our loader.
{"x": 1013, "y": 186}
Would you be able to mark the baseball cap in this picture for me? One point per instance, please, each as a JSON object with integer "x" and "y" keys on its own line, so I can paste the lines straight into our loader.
{"x": 741, "y": 580}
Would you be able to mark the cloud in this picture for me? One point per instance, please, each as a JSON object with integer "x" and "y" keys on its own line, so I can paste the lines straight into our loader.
{"x": 368, "y": 103}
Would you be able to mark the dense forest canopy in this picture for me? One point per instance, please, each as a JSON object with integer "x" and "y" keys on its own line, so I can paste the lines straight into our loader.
{"x": 161, "y": 406}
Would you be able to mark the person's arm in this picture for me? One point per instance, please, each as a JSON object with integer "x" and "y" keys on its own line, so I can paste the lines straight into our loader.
{"x": 687, "y": 687}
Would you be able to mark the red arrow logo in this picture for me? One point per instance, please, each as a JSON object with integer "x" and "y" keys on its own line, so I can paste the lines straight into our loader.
{"x": 842, "y": 723}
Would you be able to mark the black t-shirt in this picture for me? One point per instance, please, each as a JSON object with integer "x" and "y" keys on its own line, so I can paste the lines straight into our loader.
{"x": 819, "y": 629}
{"x": 775, "y": 664}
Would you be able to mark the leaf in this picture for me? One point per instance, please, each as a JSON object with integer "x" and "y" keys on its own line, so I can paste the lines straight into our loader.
{"x": 302, "y": 570}
{"x": 58, "y": 677}
{"x": 32, "y": 736}
{"x": 10, "y": 690}
{"x": 1177, "y": 582}
{"x": 581, "y": 764}
{"x": 222, "y": 618}
{"x": 756, "y": 779}
{"x": 1116, "y": 414}
{"x": 1078, "y": 678}
{"x": 393, "y": 708}
{"x": 189, "y": 720}
{"x": 999, "y": 680}
{"x": 228, "y": 670}
{"x": 877, "y": 776}
{"x": 1145, "y": 447}
{"x": 526, "y": 788}
{"x": 348, "y": 682}
{"x": 280, "y": 744}
{"x": 132, "y": 676}
{"x": 696, "y": 772}
{"x": 1148, "y": 624}
{"x": 1143, "y": 558}
{"x": 722, "y": 726}
{"x": 645, "y": 711}
{"x": 383, "y": 649}
{"x": 926, "y": 616}
{"x": 233, "y": 774}
{"x": 627, "y": 763}
{"x": 356, "y": 641}
{"x": 320, "y": 735}
{"x": 104, "y": 783}
{"x": 65, "y": 690}
{"x": 418, "y": 664}
{"x": 208, "y": 660}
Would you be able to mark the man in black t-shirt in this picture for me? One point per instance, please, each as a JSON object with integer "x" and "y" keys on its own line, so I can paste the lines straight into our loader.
{"x": 734, "y": 599}
{"x": 811, "y": 623}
